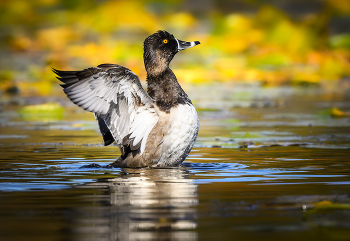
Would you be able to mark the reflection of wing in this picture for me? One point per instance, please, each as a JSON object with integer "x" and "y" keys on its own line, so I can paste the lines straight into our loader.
{"x": 123, "y": 109}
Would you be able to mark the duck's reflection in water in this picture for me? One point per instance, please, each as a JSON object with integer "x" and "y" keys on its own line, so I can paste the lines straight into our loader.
{"x": 145, "y": 204}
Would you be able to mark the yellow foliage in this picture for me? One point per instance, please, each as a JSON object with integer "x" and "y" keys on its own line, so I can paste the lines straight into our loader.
{"x": 330, "y": 205}
{"x": 305, "y": 77}
{"x": 234, "y": 45}
{"x": 42, "y": 108}
{"x": 197, "y": 75}
{"x": 92, "y": 53}
{"x": 292, "y": 38}
{"x": 180, "y": 21}
{"x": 340, "y": 5}
{"x": 239, "y": 34}
{"x": 269, "y": 16}
{"x": 323, "y": 203}
{"x": 238, "y": 24}
{"x": 43, "y": 112}
{"x": 47, "y": 2}
{"x": 314, "y": 58}
{"x": 268, "y": 47}
{"x": 255, "y": 36}
{"x": 331, "y": 68}
{"x": 229, "y": 67}
{"x": 251, "y": 75}
{"x": 127, "y": 15}
{"x": 18, "y": 7}
{"x": 21, "y": 42}
{"x": 42, "y": 87}
{"x": 228, "y": 44}
{"x": 335, "y": 112}
{"x": 343, "y": 56}
{"x": 136, "y": 66}
{"x": 275, "y": 77}
{"x": 55, "y": 38}
{"x": 5, "y": 85}
{"x": 39, "y": 81}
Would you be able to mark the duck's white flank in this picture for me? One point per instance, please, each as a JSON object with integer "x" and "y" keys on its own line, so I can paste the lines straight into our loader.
{"x": 182, "y": 134}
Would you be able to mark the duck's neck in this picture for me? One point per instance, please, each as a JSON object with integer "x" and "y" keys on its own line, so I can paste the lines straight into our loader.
{"x": 165, "y": 90}
{"x": 156, "y": 61}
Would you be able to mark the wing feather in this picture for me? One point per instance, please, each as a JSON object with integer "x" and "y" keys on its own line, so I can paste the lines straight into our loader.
{"x": 123, "y": 109}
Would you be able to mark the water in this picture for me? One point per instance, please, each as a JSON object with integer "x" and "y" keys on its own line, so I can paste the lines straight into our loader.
{"x": 268, "y": 164}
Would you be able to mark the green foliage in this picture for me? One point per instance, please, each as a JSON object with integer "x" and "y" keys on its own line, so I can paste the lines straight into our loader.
{"x": 340, "y": 41}
{"x": 48, "y": 111}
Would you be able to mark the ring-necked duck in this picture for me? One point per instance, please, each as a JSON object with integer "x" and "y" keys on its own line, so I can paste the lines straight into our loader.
{"x": 156, "y": 128}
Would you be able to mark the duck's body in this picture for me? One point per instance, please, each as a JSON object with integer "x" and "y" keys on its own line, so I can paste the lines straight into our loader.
{"x": 156, "y": 128}
{"x": 169, "y": 142}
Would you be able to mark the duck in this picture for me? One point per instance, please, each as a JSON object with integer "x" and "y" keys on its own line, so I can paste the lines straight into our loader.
{"x": 156, "y": 128}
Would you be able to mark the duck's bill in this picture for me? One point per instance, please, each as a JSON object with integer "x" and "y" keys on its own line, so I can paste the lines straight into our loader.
{"x": 181, "y": 45}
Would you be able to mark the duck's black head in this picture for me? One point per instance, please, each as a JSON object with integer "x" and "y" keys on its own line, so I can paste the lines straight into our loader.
{"x": 160, "y": 48}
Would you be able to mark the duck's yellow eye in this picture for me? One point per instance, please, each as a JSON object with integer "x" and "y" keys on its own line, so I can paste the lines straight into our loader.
{"x": 165, "y": 41}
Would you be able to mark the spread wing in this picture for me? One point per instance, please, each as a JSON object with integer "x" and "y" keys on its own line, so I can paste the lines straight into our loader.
{"x": 124, "y": 111}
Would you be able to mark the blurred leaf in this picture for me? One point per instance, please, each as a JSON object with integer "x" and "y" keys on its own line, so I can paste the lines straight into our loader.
{"x": 195, "y": 75}
{"x": 330, "y": 205}
{"x": 306, "y": 78}
{"x": 17, "y": 12}
{"x": 237, "y": 24}
{"x": 252, "y": 75}
{"x": 269, "y": 16}
{"x": 6, "y": 83}
{"x": 228, "y": 67}
{"x": 5, "y": 75}
{"x": 181, "y": 21}
{"x": 340, "y": 41}
{"x": 20, "y": 43}
{"x": 293, "y": 38}
{"x": 342, "y": 6}
{"x": 55, "y": 38}
{"x": 332, "y": 67}
{"x": 47, "y": 2}
{"x": 123, "y": 15}
{"x": 270, "y": 60}
{"x": 48, "y": 111}
{"x": 334, "y": 112}
{"x": 39, "y": 88}
{"x": 338, "y": 113}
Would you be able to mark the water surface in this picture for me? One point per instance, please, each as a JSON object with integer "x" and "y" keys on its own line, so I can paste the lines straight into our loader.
{"x": 268, "y": 164}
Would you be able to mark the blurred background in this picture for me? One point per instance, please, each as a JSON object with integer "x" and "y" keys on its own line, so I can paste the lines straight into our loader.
{"x": 267, "y": 42}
